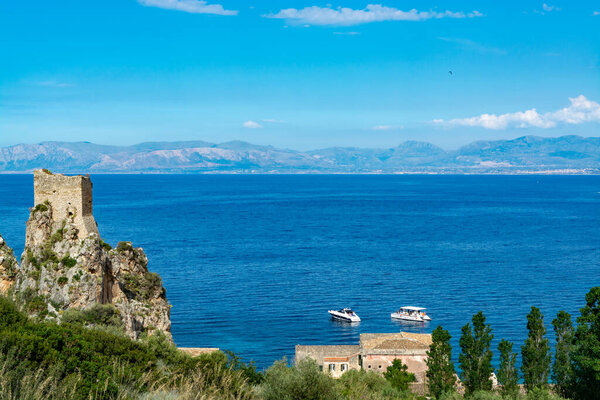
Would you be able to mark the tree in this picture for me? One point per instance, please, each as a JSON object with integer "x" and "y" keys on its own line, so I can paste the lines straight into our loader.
{"x": 508, "y": 375}
{"x": 586, "y": 355}
{"x": 440, "y": 368}
{"x": 398, "y": 376}
{"x": 476, "y": 357}
{"x": 536, "y": 352}
{"x": 562, "y": 370}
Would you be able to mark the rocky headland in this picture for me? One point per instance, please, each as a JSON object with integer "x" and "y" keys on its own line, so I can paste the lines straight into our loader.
{"x": 66, "y": 265}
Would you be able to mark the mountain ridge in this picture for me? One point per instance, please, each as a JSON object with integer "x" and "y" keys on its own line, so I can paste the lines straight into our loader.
{"x": 525, "y": 154}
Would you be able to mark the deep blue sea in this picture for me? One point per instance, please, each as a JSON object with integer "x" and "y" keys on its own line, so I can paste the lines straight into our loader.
{"x": 252, "y": 263}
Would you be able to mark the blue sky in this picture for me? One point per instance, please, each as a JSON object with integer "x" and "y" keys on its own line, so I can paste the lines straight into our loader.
{"x": 298, "y": 74}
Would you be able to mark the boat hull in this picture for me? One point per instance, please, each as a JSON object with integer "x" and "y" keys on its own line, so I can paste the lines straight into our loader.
{"x": 343, "y": 317}
{"x": 409, "y": 318}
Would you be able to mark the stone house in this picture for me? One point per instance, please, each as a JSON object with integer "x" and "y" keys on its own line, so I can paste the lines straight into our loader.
{"x": 335, "y": 359}
{"x": 375, "y": 352}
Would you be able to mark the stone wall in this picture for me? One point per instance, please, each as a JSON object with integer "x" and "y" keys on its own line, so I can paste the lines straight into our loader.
{"x": 71, "y": 199}
{"x": 335, "y": 360}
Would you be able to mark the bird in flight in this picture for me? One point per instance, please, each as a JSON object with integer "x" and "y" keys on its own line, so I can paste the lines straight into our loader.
{"x": 450, "y": 73}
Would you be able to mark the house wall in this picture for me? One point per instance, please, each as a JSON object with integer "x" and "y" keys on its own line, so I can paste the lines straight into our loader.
{"x": 380, "y": 362}
{"x": 335, "y": 360}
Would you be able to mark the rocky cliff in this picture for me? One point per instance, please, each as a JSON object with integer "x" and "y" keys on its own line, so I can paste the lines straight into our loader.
{"x": 8, "y": 267}
{"x": 61, "y": 271}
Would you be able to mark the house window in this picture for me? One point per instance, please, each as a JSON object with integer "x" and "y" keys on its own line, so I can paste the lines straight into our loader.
{"x": 369, "y": 366}
{"x": 332, "y": 367}
{"x": 344, "y": 367}
{"x": 380, "y": 367}
{"x": 321, "y": 368}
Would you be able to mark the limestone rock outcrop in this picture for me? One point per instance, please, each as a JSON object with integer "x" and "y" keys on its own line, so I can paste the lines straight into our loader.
{"x": 63, "y": 268}
{"x": 8, "y": 267}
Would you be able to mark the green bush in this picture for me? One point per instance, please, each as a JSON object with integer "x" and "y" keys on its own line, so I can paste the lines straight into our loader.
{"x": 124, "y": 246}
{"x": 97, "y": 315}
{"x": 398, "y": 376}
{"x": 41, "y": 207}
{"x": 68, "y": 261}
{"x": 304, "y": 381}
{"x": 62, "y": 281}
{"x": 44, "y": 360}
{"x": 368, "y": 385}
{"x": 142, "y": 287}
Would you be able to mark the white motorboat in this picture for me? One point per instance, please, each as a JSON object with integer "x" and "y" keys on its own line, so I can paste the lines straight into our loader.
{"x": 409, "y": 313}
{"x": 344, "y": 314}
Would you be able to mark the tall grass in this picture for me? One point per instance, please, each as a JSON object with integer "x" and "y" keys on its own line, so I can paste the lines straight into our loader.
{"x": 214, "y": 383}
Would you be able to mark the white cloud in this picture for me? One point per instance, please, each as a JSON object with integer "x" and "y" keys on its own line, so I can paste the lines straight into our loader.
{"x": 372, "y": 13}
{"x": 580, "y": 110}
{"x": 596, "y": 13}
{"x": 272, "y": 121}
{"x": 386, "y": 127}
{"x": 190, "y": 6}
{"x": 546, "y": 8}
{"x": 252, "y": 125}
{"x": 549, "y": 8}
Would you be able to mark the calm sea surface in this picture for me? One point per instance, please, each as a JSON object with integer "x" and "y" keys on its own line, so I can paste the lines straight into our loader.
{"x": 253, "y": 263}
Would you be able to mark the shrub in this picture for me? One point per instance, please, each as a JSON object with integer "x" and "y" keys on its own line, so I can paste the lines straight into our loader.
{"x": 41, "y": 207}
{"x": 142, "y": 287}
{"x": 9, "y": 314}
{"x": 301, "y": 382}
{"x": 68, "y": 261}
{"x": 97, "y": 315}
{"x": 398, "y": 376}
{"x": 367, "y": 385}
{"x": 124, "y": 246}
{"x": 62, "y": 281}
{"x": 44, "y": 360}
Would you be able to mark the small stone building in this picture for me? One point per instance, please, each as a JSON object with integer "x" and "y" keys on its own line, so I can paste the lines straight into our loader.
{"x": 375, "y": 352}
{"x": 71, "y": 199}
{"x": 334, "y": 359}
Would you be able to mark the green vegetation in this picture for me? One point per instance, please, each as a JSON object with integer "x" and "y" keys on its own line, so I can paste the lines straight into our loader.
{"x": 562, "y": 371}
{"x": 536, "y": 353}
{"x": 43, "y": 360}
{"x": 476, "y": 357}
{"x": 42, "y": 207}
{"x": 507, "y": 373}
{"x": 586, "y": 355}
{"x": 440, "y": 368}
{"x": 124, "y": 246}
{"x": 306, "y": 381}
{"x": 141, "y": 287}
{"x": 398, "y": 376}
{"x": 105, "y": 245}
{"x": 88, "y": 356}
{"x": 68, "y": 261}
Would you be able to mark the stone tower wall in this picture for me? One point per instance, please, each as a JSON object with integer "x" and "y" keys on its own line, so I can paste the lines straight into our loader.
{"x": 70, "y": 197}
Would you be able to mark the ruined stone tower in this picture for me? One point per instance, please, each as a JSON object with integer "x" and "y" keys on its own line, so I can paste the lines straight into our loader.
{"x": 71, "y": 199}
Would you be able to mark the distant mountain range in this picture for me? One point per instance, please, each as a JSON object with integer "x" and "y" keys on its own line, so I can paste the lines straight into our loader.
{"x": 528, "y": 154}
